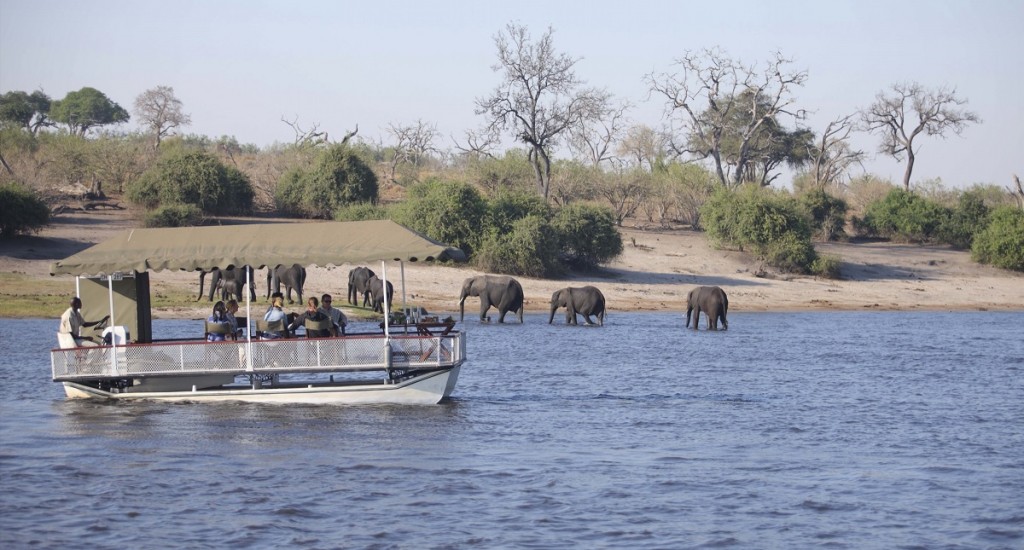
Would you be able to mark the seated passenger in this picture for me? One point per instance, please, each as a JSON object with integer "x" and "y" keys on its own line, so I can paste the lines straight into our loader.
{"x": 275, "y": 313}
{"x": 338, "y": 319}
{"x": 218, "y": 316}
{"x": 311, "y": 314}
{"x": 232, "y": 320}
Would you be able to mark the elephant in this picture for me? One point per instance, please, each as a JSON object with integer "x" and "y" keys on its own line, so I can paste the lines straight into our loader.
{"x": 377, "y": 295}
{"x": 712, "y": 301}
{"x": 500, "y": 291}
{"x": 235, "y": 276}
{"x": 585, "y": 301}
{"x": 293, "y": 277}
{"x": 359, "y": 283}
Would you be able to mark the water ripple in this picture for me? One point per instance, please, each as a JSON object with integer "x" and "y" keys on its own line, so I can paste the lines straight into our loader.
{"x": 850, "y": 430}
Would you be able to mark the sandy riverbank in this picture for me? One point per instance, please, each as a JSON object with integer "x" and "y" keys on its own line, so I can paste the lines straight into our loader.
{"x": 654, "y": 273}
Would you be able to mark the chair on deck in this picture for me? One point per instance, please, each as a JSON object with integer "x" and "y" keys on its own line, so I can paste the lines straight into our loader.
{"x": 263, "y": 327}
{"x": 223, "y": 329}
{"x": 317, "y": 325}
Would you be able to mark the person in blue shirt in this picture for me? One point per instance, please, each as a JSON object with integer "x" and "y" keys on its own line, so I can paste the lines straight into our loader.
{"x": 276, "y": 313}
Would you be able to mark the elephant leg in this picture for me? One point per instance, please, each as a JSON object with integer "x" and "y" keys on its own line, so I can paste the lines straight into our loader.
{"x": 586, "y": 317}
{"x": 485, "y": 304}
{"x": 696, "y": 318}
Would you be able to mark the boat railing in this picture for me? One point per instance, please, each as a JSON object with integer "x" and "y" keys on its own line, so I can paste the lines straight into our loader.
{"x": 192, "y": 358}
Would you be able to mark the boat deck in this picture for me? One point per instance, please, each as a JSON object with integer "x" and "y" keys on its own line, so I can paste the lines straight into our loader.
{"x": 370, "y": 352}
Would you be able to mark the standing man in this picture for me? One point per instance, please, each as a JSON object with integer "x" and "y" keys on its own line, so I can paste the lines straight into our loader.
{"x": 71, "y": 322}
{"x": 338, "y": 319}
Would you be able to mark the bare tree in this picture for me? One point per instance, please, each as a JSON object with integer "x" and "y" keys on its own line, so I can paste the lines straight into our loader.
{"x": 307, "y": 138}
{"x": 160, "y": 111}
{"x": 412, "y": 143}
{"x": 594, "y": 139}
{"x": 644, "y": 146}
{"x": 478, "y": 144}
{"x": 1018, "y": 195}
{"x": 539, "y": 99}
{"x": 910, "y": 111}
{"x": 832, "y": 156}
{"x": 707, "y": 95}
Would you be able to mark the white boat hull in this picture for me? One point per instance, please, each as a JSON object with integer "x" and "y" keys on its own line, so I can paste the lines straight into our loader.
{"x": 425, "y": 389}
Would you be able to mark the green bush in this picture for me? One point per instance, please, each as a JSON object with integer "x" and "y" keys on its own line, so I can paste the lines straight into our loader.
{"x": 528, "y": 248}
{"x": 1001, "y": 243}
{"x": 360, "y": 211}
{"x": 21, "y": 211}
{"x": 904, "y": 216}
{"x": 828, "y": 214}
{"x": 968, "y": 218}
{"x": 510, "y": 206}
{"x": 827, "y": 266}
{"x": 588, "y": 235}
{"x": 453, "y": 213}
{"x": 791, "y": 253}
{"x": 196, "y": 178}
{"x": 174, "y": 215}
{"x": 771, "y": 224}
{"x": 339, "y": 177}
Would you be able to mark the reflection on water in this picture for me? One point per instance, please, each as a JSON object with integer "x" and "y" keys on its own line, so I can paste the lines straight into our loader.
{"x": 788, "y": 430}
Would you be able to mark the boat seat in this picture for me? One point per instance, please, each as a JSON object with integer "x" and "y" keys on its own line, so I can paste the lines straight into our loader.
{"x": 218, "y": 328}
{"x": 316, "y": 325}
{"x": 270, "y": 326}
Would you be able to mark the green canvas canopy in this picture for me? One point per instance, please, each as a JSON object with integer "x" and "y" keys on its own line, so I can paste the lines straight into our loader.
{"x": 257, "y": 245}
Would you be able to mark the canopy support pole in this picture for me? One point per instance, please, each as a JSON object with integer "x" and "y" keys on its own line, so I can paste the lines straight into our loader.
{"x": 248, "y": 319}
{"x": 113, "y": 335}
{"x": 384, "y": 291}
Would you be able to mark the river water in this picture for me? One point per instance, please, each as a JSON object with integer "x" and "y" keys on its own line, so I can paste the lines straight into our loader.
{"x": 790, "y": 430}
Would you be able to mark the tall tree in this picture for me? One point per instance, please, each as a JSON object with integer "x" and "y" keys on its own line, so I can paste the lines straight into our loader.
{"x": 160, "y": 112}
{"x": 644, "y": 146}
{"x": 413, "y": 144}
{"x": 85, "y": 109}
{"x": 594, "y": 139}
{"x": 24, "y": 110}
{"x": 706, "y": 92}
{"x": 910, "y": 111}
{"x": 832, "y": 156}
{"x": 539, "y": 99}
{"x": 755, "y": 154}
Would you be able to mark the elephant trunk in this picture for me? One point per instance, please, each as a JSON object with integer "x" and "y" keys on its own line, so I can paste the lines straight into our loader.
{"x": 551, "y": 317}
{"x": 462, "y": 307}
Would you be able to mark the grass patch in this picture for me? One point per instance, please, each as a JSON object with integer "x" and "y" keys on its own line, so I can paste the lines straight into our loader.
{"x": 25, "y": 296}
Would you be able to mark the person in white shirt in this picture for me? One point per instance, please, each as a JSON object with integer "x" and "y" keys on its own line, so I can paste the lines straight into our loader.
{"x": 71, "y": 322}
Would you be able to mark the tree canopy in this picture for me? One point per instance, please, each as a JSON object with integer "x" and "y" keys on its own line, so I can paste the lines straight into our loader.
{"x": 723, "y": 106}
{"x": 24, "y": 110}
{"x": 86, "y": 109}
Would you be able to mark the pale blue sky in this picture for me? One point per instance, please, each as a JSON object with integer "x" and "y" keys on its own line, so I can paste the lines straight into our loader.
{"x": 239, "y": 66}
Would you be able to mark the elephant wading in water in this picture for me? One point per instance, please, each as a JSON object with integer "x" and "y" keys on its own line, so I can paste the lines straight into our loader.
{"x": 293, "y": 277}
{"x": 359, "y": 283}
{"x": 377, "y": 294}
{"x": 585, "y": 301}
{"x": 712, "y": 301}
{"x": 232, "y": 280}
{"x": 502, "y": 292}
